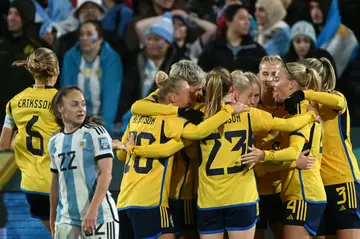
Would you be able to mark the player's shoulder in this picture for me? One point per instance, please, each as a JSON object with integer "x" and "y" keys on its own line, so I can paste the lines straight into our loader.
{"x": 95, "y": 129}
{"x": 55, "y": 135}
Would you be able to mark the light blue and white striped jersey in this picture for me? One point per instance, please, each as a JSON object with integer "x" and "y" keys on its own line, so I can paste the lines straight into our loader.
{"x": 74, "y": 158}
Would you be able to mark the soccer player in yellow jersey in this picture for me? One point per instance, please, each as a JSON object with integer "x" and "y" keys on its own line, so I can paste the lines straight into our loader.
{"x": 339, "y": 167}
{"x": 269, "y": 186}
{"x": 30, "y": 113}
{"x": 143, "y": 200}
{"x": 303, "y": 192}
{"x": 184, "y": 177}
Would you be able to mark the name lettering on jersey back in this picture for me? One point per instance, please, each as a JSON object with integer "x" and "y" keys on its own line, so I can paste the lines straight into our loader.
{"x": 234, "y": 119}
{"x": 144, "y": 120}
{"x": 32, "y": 103}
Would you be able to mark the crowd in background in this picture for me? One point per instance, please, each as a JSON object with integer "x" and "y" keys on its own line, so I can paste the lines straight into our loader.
{"x": 112, "y": 49}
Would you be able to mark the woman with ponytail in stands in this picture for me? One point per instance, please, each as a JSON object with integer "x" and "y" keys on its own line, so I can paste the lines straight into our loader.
{"x": 339, "y": 167}
{"x": 303, "y": 194}
{"x": 29, "y": 112}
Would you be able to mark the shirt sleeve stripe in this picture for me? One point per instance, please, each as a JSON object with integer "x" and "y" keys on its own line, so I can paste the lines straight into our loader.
{"x": 102, "y": 156}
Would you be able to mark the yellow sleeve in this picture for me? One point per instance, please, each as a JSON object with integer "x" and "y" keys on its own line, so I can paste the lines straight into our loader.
{"x": 159, "y": 150}
{"x": 121, "y": 154}
{"x": 149, "y": 106}
{"x": 270, "y": 167}
{"x": 263, "y": 121}
{"x": 296, "y": 144}
{"x": 208, "y": 126}
{"x": 8, "y": 108}
{"x": 332, "y": 99}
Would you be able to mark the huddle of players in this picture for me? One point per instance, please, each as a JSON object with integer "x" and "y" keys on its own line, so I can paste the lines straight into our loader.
{"x": 183, "y": 171}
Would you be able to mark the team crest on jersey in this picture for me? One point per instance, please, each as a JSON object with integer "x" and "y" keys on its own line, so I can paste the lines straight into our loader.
{"x": 83, "y": 143}
{"x": 104, "y": 143}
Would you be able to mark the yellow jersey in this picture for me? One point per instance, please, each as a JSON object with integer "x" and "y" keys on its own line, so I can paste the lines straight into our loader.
{"x": 301, "y": 184}
{"x": 222, "y": 178}
{"x": 31, "y": 113}
{"x": 339, "y": 164}
{"x": 151, "y": 176}
{"x": 271, "y": 182}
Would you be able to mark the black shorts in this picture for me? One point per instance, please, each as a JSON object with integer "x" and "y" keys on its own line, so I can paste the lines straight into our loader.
{"x": 302, "y": 213}
{"x": 238, "y": 218}
{"x": 145, "y": 223}
{"x": 39, "y": 205}
{"x": 271, "y": 210}
{"x": 184, "y": 214}
{"x": 342, "y": 209}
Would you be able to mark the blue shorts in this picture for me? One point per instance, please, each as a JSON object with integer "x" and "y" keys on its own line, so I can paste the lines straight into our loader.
{"x": 271, "y": 210}
{"x": 184, "y": 214}
{"x": 145, "y": 223}
{"x": 39, "y": 205}
{"x": 238, "y": 218}
{"x": 302, "y": 213}
{"x": 342, "y": 209}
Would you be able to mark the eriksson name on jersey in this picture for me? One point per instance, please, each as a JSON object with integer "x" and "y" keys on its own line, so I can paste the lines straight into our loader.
{"x": 32, "y": 103}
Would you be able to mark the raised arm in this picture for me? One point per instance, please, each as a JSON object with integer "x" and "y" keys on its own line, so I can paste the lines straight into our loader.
{"x": 149, "y": 107}
{"x": 205, "y": 128}
{"x": 333, "y": 99}
{"x": 159, "y": 150}
{"x": 142, "y": 25}
{"x": 263, "y": 121}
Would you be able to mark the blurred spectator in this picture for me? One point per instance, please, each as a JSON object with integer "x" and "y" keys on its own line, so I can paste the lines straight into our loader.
{"x": 55, "y": 19}
{"x": 21, "y": 40}
{"x": 297, "y": 10}
{"x": 88, "y": 10}
{"x": 234, "y": 49}
{"x": 117, "y": 17}
{"x": 96, "y": 69}
{"x": 333, "y": 36}
{"x": 272, "y": 32}
{"x": 145, "y": 9}
{"x": 185, "y": 46}
{"x": 303, "y": 39}
{"x": 158, "y": 54}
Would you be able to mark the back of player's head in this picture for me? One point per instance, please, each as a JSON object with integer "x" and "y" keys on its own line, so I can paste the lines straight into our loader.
{"x": 325, "y": 69}
{"x": 58, "y": 100}
{"x": 167, "y": 84}
{"x": 218, "y": 84}
{"x": 306, "y": 78}
{"x": 241, "y": 83}
{"x": 42, "y": 64}
{"x": 272, "y": 59}
{"x": 189, "y": 71}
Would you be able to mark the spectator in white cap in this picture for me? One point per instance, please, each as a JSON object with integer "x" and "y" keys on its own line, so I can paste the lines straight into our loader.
{"x": 89, "y": 10}
{"x": 158, "y": 54}
{"x": 303, "y": 38}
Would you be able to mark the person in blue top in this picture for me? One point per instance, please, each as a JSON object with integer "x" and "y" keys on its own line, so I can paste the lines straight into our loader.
{"x": 96, "y": 69}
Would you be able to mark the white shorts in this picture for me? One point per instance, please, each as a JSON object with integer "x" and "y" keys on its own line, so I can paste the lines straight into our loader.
{"x": 109, "y": 230}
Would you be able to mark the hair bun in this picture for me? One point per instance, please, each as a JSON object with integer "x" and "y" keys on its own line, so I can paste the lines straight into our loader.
{"x": 160, "y": 78}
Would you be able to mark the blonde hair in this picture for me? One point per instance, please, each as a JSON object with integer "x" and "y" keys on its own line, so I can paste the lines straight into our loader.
{"x": 42, "y": 64}
{"x": 218, "y": 85}
{"x": 241, "y": 83}
{"x": 167, "y": 84}
{"x": 307, "y": 78}
{"x": 325, "y": 69}
{"x": 254, "y": 79}
{"x": 273, "y": 59}
{"x": 189, "y": 71}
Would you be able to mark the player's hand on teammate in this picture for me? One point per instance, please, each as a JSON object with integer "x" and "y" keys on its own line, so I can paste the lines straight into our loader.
{"x": 117, "y": 145}
{"x": 254, "y": 156}
{"x": 239, "y": 108}
{"x": 315, "y": 107}
{"x": 89, "y": 222}
{"x": 305, "y": 162}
